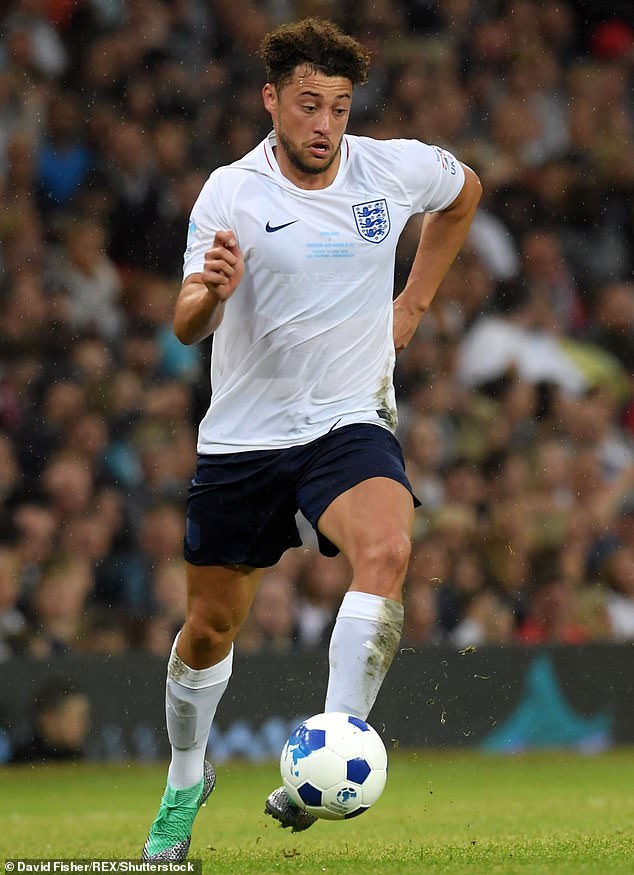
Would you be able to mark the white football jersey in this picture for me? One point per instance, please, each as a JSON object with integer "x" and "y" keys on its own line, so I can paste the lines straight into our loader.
{"x": 305, "y": 345}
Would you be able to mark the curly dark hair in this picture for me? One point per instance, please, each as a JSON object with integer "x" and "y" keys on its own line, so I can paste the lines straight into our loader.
{"x": 317, "y": 43}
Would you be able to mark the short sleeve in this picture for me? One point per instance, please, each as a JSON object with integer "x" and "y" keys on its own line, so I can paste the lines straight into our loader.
{"x": 207, "y": 217}
{"x": 433, "y": 176}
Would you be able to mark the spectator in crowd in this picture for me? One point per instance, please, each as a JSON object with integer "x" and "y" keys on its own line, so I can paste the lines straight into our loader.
{"x": 134, "y": 187}
{"x": 42, "y": 430}
{"x": 107, "y": 632}
{"x": 271, "y": 625}
{"x": 60, "y": 609}
{"x": 486, "y": 619}
{"x": 35, "y": 536}
{"x": 321, "y": 584}
{"x": 68, "y": 485}
{"x": 424, "y": 454}
{"x": 168, "y": 591}
{"x": 420, "y": 626}
{"x": 552, "y": 615}
{"x": 63, "y": 159}
{"x": 152, "y": 540}
{"x": 150, "y": 302}
{"x": 90, "y": 280}
{"x": 61, "y": 723}
{"x": 466, "y": 577}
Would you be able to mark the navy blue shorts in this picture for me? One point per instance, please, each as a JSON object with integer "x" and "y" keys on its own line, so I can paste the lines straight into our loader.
{"x": 241, "y": 507}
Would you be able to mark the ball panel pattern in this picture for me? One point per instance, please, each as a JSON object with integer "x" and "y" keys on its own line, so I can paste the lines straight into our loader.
{"x": 357, "y": 770}
{"x": 302, "y": 743}
{"x": 359, "y": 723}
{"x": 309, "y": 795}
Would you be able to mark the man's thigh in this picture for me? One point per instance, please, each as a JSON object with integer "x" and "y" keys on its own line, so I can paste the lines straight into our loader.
{"x": 374, "y": 510}
{"x": 340, "y": 462}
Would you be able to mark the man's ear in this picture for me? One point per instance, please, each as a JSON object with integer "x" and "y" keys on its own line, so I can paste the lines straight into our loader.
{"x": 269, "y": 96}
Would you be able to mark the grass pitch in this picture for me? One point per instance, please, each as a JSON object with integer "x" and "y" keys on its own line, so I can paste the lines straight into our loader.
{"x": 451, "y": 813}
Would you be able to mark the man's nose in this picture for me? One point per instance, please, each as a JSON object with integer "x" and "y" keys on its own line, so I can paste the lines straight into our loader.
{"x": 322, "y": 122}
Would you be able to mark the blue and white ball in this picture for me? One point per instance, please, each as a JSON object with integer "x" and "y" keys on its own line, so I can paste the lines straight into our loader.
{"x": 334, "y": 766}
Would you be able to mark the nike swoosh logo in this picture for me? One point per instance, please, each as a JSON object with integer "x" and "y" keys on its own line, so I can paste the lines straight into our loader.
{"x": 271, "y": 228}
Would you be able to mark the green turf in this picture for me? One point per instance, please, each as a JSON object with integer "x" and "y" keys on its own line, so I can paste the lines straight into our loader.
{"x": 450, "y": 813}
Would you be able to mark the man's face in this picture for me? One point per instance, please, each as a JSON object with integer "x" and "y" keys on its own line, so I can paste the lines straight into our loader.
{"x": 310, "y": 113}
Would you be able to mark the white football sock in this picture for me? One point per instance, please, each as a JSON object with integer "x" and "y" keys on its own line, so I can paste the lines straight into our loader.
{"x": 191, "y": 699}
{"x": 362, "y": 647}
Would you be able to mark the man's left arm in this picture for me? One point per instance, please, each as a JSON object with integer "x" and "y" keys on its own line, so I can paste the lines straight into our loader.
{"x": 442, "y": 235}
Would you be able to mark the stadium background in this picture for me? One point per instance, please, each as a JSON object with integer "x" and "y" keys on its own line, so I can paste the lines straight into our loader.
{"x": 516, "y": 396}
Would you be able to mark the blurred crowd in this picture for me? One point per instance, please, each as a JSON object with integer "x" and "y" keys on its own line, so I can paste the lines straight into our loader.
{"x": 516, "y": 397}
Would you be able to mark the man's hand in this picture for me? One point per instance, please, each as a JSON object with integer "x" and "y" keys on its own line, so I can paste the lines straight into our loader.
{"x": 406, "y": 319}
{"x": 201, "y": 300}
{"x": 224, "y": 266}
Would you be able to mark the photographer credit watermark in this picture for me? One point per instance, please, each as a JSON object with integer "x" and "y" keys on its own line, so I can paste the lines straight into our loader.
{"x": 69, "y": 867}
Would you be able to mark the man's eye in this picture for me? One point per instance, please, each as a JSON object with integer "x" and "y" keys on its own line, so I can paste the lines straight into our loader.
{"x": 309, "y": 107}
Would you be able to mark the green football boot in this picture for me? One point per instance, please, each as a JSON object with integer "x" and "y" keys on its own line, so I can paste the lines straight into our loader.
{"x": 171, "y": 832}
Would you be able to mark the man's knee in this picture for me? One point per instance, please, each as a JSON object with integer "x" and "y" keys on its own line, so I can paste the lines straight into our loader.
{"x": 218, "y": 601}
{"x": 210, "y": 633}
{"x": 387, "y": 555}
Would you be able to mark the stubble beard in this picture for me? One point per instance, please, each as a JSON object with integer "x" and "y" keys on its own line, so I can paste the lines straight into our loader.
{"x": 297, "y": 161}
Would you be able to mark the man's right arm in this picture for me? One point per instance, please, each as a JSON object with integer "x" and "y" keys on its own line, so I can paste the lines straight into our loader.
{"x": 200, "y": 303}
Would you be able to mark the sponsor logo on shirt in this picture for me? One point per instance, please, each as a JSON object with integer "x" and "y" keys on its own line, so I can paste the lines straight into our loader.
{"x": 270, "y": 229}
{"x": 373, "y": 220}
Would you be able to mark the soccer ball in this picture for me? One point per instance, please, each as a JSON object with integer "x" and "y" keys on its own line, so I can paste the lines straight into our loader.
{"x": 334, "y": 766}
